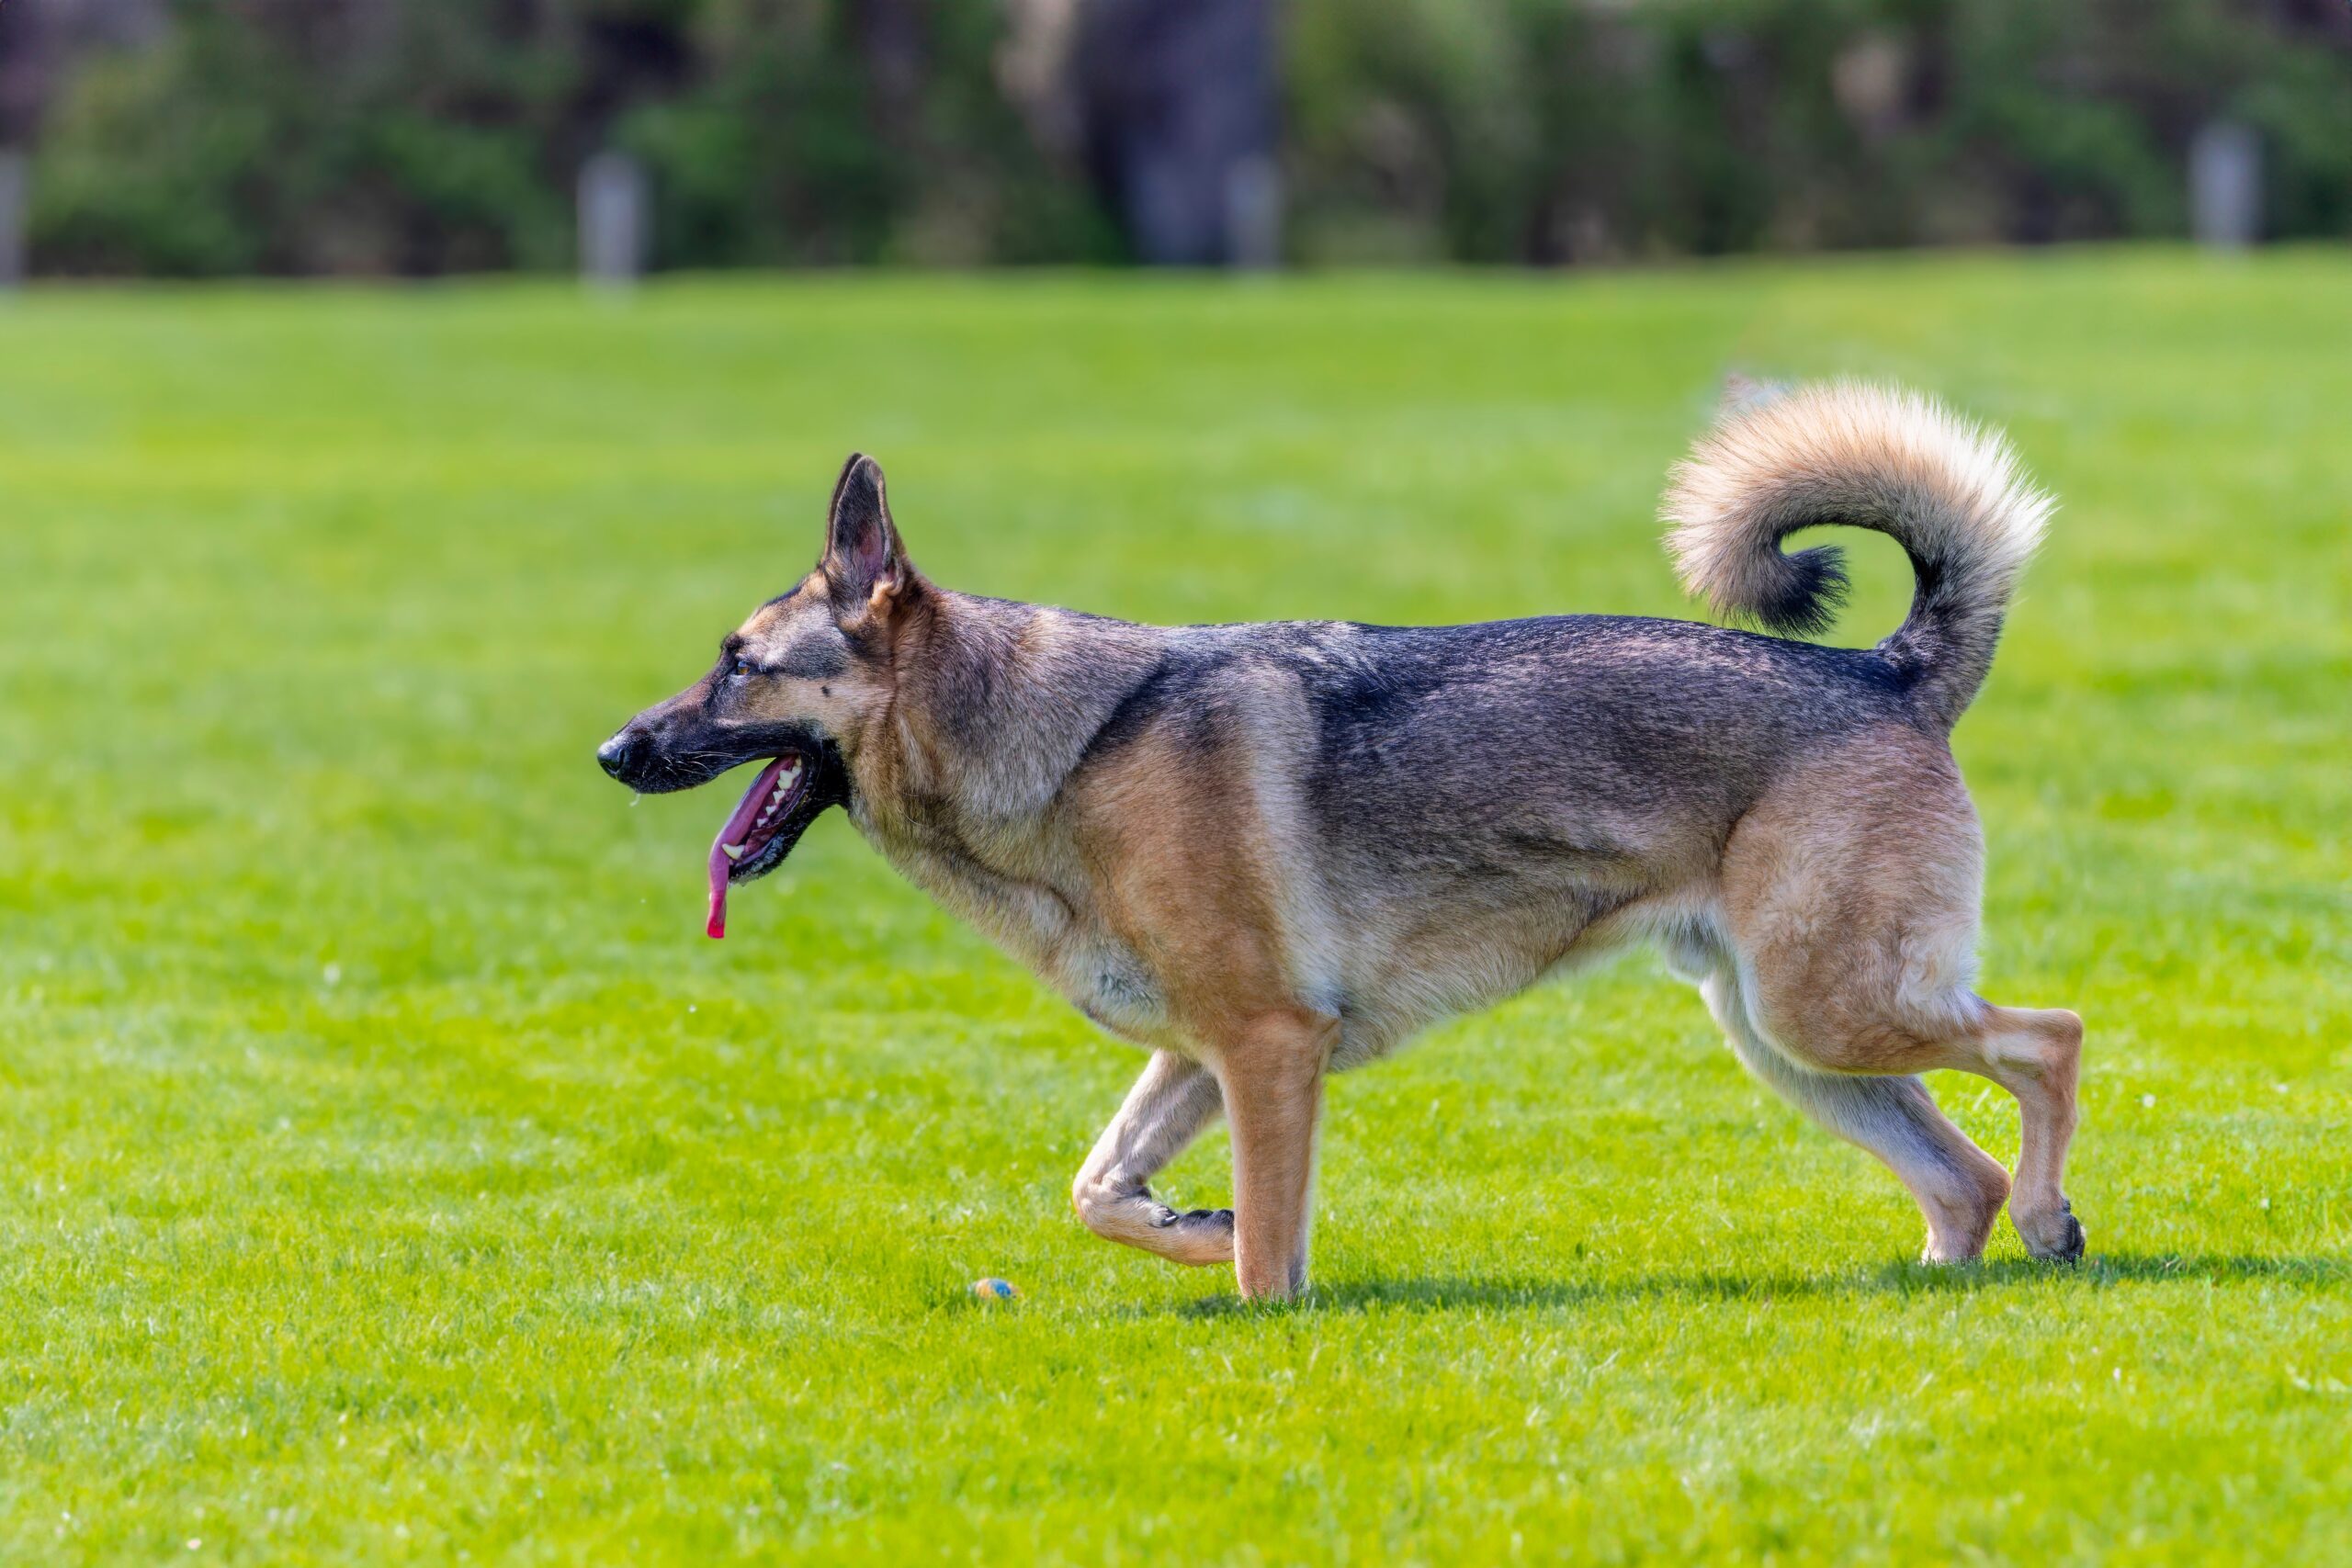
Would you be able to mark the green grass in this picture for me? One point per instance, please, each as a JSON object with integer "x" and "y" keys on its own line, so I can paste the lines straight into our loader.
{"x": 392, "y": 1172}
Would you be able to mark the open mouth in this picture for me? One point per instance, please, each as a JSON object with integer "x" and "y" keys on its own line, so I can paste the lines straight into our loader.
{"x": 760, "y": 832}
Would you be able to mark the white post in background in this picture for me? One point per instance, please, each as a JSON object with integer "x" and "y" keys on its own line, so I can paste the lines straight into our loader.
{"x": 14, "y": 187}
{"x": 615, "y": 221}
{"x": 2225, "y": 186}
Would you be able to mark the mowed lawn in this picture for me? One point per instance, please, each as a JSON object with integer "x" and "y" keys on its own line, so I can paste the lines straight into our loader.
{"x": 389, "y": 1169}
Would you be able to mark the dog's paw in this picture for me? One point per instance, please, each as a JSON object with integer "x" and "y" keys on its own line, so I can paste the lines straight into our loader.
{"x": 2055, "y": 1236}
{"x": 1201, "y": 1237}
{"x": 1942, "y": 1252}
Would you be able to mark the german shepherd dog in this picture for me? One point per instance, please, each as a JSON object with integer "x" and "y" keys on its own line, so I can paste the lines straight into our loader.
{"x": 1272, "y": 851}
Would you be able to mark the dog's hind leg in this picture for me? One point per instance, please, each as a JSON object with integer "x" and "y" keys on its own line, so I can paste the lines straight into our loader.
{"x": 2035, "y": 1055}
{"x": 1169, "y": 1104}
{"x": 1849, "y": 901}
{"x": 1957, "y": 1185}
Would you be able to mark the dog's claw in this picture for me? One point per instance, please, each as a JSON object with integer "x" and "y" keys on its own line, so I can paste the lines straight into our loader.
{"x": 1164, "y": 1216}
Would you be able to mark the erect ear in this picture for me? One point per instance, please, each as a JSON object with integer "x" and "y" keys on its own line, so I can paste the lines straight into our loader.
{"x": 862, "y": 558}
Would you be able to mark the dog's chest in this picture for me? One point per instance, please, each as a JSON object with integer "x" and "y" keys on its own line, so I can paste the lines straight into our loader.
{"x": 1052, "y": 930}
{"x": 1105, "y": 981}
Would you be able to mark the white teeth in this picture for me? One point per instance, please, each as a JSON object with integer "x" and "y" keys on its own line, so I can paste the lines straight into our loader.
{"x": 734, "y": 851}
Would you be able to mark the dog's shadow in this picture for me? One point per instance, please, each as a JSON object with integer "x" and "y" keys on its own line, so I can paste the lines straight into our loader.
{"x": 2098, "y": 1271}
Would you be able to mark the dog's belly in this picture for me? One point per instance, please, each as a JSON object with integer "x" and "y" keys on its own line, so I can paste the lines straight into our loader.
{"x": 1388, "y": 943}
{"x": 1419, "y": 961}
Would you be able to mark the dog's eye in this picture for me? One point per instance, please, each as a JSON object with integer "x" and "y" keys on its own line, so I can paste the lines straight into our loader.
{"x": 742, "y": 669}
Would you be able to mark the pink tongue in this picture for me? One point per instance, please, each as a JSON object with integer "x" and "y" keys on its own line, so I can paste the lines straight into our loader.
{"x": 737, "y": 830}
{"x": 717, "y": 925}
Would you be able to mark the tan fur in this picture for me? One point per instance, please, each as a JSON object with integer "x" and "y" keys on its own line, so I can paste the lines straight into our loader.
{"x": 1847, "y": 897}
{"x": 1850, "y": 896}
{"x": 1174, "y": 1099}
{"x": 1197, "y": 868}
{"x": 1835, "y": 450}
{"x": 1271, "y": 1071}
{"x": 1951, "y": 494}
{"x": 1183, "y": 869}
{"x": 1851, "y": 890}
{"x": 850, "y": 702}
{"x": 1183, "y": 873}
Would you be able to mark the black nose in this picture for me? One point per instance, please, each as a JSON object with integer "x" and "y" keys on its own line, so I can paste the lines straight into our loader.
{"x": 620, "y": 754}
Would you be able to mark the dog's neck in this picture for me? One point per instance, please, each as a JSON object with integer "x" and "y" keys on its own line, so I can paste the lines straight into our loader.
{"x": 996, "y": 706}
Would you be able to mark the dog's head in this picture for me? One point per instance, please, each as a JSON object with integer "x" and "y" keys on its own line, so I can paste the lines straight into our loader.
{"x": 797, "y": 686}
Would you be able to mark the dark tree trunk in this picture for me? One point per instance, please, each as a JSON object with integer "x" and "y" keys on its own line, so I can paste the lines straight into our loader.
{"x": 1179, "y": 105}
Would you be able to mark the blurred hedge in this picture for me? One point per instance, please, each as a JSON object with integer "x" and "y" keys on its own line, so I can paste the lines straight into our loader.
{"x": 1546, "y": 130}
{"x": 368, "y": 136}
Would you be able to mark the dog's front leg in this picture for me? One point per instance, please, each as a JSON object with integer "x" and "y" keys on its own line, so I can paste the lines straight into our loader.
{"x": 1166, "y": 1110}
{"x": 1271, "y": 1071}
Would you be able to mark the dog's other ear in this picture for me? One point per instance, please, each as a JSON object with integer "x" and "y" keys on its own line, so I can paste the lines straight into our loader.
{"x": 862, "y": 558}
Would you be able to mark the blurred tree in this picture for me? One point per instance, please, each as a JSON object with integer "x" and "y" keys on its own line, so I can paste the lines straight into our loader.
{"x": 1548, "y": 131}
{"x": 423, "y": 136}
{"x": 1178, "y": 108}
{"x": 420, "y": 136}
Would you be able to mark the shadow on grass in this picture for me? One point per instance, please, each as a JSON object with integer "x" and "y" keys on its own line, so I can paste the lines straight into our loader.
{"x": 2101, "y": 1271}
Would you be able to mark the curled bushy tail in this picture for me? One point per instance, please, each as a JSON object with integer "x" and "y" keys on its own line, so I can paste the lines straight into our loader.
{"x": 1948, "y": 492}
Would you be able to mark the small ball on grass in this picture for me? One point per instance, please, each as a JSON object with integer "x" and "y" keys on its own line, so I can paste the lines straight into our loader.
{"x": 996, "y": 1290}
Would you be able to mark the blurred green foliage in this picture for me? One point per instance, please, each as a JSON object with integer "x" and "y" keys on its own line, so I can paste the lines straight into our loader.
{"x": 1562, "y": 130}
{"x": 348, "y": 136}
